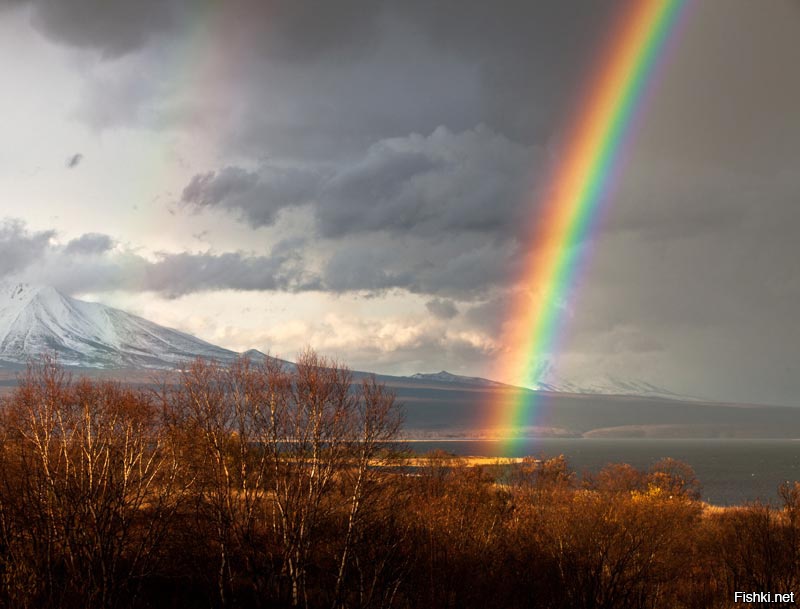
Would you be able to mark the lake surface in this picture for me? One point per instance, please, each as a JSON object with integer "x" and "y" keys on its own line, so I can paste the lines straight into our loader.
{"x": 730, "y": 471}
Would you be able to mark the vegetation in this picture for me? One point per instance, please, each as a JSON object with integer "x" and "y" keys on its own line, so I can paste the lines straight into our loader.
{"x": 267, "y": 486}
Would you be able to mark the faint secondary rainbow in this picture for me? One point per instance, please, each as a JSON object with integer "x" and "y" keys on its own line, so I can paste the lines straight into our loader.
{"x": 580, "y": 182}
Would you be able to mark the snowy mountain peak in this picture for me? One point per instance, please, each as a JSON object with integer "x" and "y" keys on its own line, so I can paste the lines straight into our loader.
{"x": 447, "y": 377}
{"x": 435, "y": 376}
{"x": 605, "y": 385}
{"x": 17, "y": 291}
{"x": 39, "y": 320}
{"x": 15, "y": 296}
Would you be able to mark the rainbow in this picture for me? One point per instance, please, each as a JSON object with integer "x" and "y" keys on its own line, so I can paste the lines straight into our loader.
{"x": 577, "y": 188}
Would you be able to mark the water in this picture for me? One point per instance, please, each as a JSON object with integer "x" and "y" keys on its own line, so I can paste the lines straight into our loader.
{"x": 731, "y": 471}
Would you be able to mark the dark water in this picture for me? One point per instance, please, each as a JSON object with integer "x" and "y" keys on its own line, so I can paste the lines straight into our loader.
{"x": 731, "y": 471}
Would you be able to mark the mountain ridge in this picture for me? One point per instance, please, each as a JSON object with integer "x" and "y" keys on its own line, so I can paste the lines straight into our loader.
{"x": 104, "y": 342}
{"x": 607, "y": 385}
{"x": 35, "y": 320}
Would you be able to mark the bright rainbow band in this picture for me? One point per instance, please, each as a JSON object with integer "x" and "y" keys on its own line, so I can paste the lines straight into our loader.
{"x": 577, "y": 189}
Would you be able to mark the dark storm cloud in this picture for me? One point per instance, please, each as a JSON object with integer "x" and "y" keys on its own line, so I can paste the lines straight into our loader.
{"x": 113, "y": 28}
{"x": 363, "y": 267}
{"x": 313, "y": 31}
{"x": 430, "y": 186}
{"x": 12, "y": 4}
{"x": 442, "y": 309}
{"x": 462, "y": 266}
{"x": 213, "y": 188}
{"x": 531, "y": 54}
{"x": 74, "y": 160}
{"x": 489, "y": 314}
{"x": 297, "y": 31}
{"x": 19, "y": 247}
{"x": 174, "y": 275}
{"x": 437, "y": 214}
{"x": 256, "y": 197}
{"x": 88, "y": 244}
{"x": 335, "y": 77}
{"x": 410, "y": 66}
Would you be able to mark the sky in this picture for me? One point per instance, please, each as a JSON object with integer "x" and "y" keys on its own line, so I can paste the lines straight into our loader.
{"x": 361, "y": 177}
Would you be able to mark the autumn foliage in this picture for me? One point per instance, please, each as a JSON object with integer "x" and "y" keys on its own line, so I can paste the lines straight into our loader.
{"x": 265, "y": 485}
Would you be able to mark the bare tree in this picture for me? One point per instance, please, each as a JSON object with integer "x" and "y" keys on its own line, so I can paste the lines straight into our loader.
{"x": 96, "y": 481}
{"x": 376, "y": 425}
{"x": 212, "y": 413}
{"x": 312, "y": 430}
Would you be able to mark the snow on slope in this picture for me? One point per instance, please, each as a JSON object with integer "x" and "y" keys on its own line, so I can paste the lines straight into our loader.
{"x": 447, "y": 377}
{"x": 610, "y": 385}
{"x": 37, "y": 320}
{"x": 550, "y": 380}
{"x": 606, "y": 385}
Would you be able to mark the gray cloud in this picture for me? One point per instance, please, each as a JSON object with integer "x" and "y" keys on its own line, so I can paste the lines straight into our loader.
{"x": 297, "y": 31}
{"x": 489, "y": 314}
{"x": 91, "y": 262}
{"x": 437, "y": 214}
{"x": 474, "y": 181}
{"x": 113, "y": 28}
{"x": 174, "y": 275}
{"x": 446, "y": 182}
{"x": 442, "y": 309}
{"x": 212, "y": 189}
{"x": 462, "y": 266}
{"x": 89, "y": 243}
{"x": 366, "y": 268}
{"x": 19, "y": 247}
{"x": 334, "y": 78}
{"x": 256, "y": 197}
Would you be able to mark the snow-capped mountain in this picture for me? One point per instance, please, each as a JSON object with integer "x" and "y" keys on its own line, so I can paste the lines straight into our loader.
{"x": 36, "y": 320}
{"x": 606, "y": 385}
{"x": 446, "y": 377}
{"x": 549, "y": 379}
{"x": 610, "y": 385}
